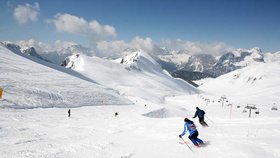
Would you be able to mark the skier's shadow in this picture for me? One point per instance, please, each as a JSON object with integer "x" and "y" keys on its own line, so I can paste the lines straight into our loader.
{"x": 205, "y": 144}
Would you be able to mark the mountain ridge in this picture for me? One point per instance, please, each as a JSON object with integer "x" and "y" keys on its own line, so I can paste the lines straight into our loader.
{"x": 178, "y": 63}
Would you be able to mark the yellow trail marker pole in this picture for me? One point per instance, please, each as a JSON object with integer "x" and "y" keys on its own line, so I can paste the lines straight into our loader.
{"x": 1, "y": 93}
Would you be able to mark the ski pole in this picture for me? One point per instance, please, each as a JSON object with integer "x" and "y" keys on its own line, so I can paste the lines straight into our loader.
{"x": 187, "y": 145}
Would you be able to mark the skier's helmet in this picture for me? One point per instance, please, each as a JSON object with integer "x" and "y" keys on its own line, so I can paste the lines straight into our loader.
{"x": 186, "y": 120}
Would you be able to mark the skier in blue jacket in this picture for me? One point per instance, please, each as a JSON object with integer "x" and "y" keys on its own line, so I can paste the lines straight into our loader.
{"x": 200, "y": 113}
{"x": 190, "y": 126}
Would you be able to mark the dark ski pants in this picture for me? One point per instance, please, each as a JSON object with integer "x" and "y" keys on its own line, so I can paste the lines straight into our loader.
{"x": 194, "y": 138}
{"x": 202, "y": 122}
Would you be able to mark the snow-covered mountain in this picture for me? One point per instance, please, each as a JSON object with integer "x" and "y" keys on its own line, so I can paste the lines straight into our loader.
{"x": 133, "y": 75}
{"x": 236, "y": 60}
{"x": 199, "y": 63}
{"x": 136, "y": 74}
{"x": 55, "y": 53}
{"x": 140, "y": 60}
{"x": 25, "y": 50}
{"x": 180, "y": 64}
{"x": 72, "y": 62}
{"x": 178, "y": 58}
{"x": 30, "y": 83}
{"x": 193, "y": 67}
{"x": 248, "y": 84}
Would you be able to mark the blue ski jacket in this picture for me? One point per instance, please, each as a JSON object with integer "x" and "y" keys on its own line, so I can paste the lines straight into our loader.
{"x": 200, "y": 113}
{"x": 190, "y": 126}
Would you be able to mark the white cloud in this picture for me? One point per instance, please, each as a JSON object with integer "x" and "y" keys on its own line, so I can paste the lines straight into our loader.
{"x": 27, "y": 12}
{"x": 112, "y": 46}
{"x": 142, "y": 43}
{"x": 64, "y": 44}
{"x": 118, "y": 46}
{"x": 70, "y": 24}
{"x": 214, "y": 48}
{"x": 110, "y": 30}
{"x": 77, "y": 25}
{"x": 94, "y": 25}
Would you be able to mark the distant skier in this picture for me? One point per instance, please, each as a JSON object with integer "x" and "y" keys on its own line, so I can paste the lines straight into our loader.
{"x": 69, "y": 113}
{"x": 116, "y": 114}
{"x": 200, "y": 113}
{"x": 190, "y": 126}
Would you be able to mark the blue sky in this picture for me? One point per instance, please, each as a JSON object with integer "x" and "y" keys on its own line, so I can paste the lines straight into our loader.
{"x": 237, "y": 23}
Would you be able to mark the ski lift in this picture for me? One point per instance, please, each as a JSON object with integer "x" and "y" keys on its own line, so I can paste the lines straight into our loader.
{"x": 251, "y": 107}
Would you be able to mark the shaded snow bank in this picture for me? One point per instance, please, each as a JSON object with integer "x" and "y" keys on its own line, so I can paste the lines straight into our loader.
{"x": 167, "y": 112}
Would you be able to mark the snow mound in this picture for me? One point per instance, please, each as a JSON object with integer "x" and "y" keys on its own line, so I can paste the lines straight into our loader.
{"x": 31, "y": 83}
{"x": 167, "y": 112}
